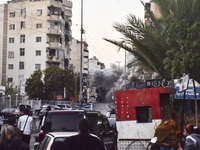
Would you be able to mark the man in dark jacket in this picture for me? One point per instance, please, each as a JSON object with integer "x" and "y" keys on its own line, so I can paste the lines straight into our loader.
{"x": 13, "y": 142}
{"x": 84, "y": 141}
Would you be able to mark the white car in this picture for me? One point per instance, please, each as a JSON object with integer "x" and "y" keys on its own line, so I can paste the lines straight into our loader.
{"x": 51, "y": 137}
{"x": 65, "y": 106}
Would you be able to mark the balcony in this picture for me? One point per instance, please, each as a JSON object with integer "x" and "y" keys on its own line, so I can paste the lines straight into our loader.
{"x": 53, "y": 59}
{"x": 54, "y": 31}
{"x": 56, "y": 18}
{"x": 68, "y": 13}
{"x": 54, "y": 45}
{"x": 55, "y": 3}
{"x": 67, "y": 3}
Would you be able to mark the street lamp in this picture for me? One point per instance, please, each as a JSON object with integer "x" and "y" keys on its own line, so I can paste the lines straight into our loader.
{"x": 16, "y": 100}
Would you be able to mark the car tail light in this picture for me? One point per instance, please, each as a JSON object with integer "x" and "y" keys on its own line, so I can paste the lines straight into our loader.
{"x": 40, "y": 137}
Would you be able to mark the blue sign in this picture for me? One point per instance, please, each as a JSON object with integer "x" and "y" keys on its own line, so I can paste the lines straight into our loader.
{"x": 189, "y": 93}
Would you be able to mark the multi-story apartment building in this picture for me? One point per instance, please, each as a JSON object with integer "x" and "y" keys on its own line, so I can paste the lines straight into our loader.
{"x": 75, "y": 57}
{"x": 95, "y": 64}
{"x": 36, "y": 34}
{"x": 154, "y": 8}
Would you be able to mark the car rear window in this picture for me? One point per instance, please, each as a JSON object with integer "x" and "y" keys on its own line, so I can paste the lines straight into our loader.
{"x": 62, "y": 121}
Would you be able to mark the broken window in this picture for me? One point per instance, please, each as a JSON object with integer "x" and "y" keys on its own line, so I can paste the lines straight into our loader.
{"x": 143, "y": 114}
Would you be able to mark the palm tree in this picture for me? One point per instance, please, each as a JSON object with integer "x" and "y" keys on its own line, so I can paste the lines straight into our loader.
{"x": 161, "y": 46}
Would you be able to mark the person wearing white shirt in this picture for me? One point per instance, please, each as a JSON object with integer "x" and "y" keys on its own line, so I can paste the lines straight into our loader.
{"x": 25, "y": 124}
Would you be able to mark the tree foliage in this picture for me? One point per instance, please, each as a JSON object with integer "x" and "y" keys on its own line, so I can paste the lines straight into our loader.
{"x": 168, "y": 46}
{"x": 34, "y": 85}
{"x": 49, "y": 83}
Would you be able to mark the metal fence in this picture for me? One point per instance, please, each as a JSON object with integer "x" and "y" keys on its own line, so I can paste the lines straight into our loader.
{"x": 12, "y": 101}
{"x": 133, "y": 144}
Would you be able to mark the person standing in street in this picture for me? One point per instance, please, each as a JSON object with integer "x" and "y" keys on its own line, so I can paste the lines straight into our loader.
{"x": 84, "y": 140}
{"x": 13, "y": 142}
{"x": 25, "y": 124}
{"x": 1, "y": 121}
{"x": 17, "y": 131}
{"x": 192, "y": 141}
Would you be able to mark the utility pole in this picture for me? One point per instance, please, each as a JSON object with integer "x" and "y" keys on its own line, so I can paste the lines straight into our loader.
{"x": 125, "y": 71}
{"x": 81, "y": 52}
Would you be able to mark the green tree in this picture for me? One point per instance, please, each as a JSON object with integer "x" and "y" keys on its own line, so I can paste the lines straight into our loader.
{"x": 55, "y": 79}
{"x": 34, "y": 85}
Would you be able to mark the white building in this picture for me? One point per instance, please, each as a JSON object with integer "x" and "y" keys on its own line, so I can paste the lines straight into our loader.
{"x": 37, "y": 33}
{"x": 75, "y": 57}
{"x": 95, "y": 64}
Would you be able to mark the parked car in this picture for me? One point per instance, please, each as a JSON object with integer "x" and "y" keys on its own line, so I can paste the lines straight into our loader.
{"x": 67, "y": 121}
{"x": 9, "y": 114}
{"x": 48, "y": 108}
{"x": 65, "y": 106}
{"x": 51, "y": 137}
{"x": 21, "y": 107}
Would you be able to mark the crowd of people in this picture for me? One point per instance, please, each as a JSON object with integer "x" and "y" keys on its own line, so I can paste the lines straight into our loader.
{"x": 17, "y": 137}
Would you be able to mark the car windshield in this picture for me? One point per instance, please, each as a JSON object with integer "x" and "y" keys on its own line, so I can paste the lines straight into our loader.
{"x": 62, "y": 121}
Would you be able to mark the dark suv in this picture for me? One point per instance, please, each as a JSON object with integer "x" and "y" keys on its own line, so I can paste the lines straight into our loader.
{"x": 67, "y": 121}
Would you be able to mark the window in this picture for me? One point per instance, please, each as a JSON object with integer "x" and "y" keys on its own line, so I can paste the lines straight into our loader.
{"x": 11, "y": 40}
{"x": 22, "y": 24}
{"x": 22, "y": 38}
{"x": 143, "y": 114}
{"x": 39, "y": 12}
{"x": 39, "y": 25}
{"x": 12, "y": 14}
{"x": 22, "y": 51}
{"x": 23, "y": 12}
{"x": 10, "y": 54}
{"x": 10, "y": 79}
{"x": 21, "y": 65}
{"x": 38, "y": 52}
{"x": 11, "y": 27}
{"x": 52, "y": 39}
{"x": 37, "y": 66}
{"x": 10, "y": 66}
{"x": 38, "y": 39}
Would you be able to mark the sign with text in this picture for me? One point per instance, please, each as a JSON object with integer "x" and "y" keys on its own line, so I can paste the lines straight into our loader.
{"x": 158, "y": 83}
{"x": 189, "y": 93}
{"x": 59, "y": 97}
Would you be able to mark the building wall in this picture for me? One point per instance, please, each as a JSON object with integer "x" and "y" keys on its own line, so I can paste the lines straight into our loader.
{"x": 53, "y": 26}
{"x": 75, "y": 56}
{"x": 94, "y": 63}
{"x": 1, "y": 39}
